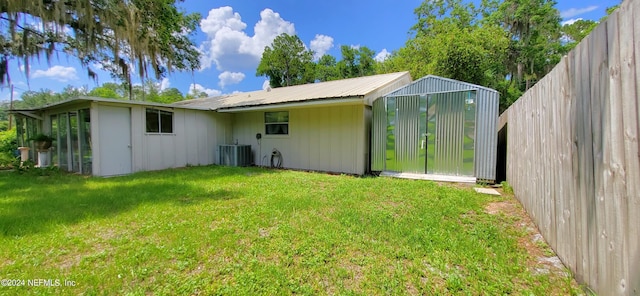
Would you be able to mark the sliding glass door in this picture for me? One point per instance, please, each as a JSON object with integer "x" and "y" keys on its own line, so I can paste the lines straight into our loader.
{"x": 72, "y": 131}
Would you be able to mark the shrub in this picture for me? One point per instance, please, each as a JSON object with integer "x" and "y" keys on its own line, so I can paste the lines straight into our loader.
{"x": 8, "y": 147}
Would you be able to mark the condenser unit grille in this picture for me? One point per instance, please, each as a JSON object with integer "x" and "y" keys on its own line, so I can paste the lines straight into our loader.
{"x": 235, "y": 155}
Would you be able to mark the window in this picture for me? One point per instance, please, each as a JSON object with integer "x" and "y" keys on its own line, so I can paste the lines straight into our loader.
{"x": 276, "y": 123}
{"x": 159, "y": 121}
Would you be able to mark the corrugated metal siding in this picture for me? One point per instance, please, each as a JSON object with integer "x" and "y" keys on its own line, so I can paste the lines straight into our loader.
{"x": 486, "y": 134}
{"x": 378, "y": 135}
{"x": 408, "y": 135}
{"x": 449, "y": 128}
{"x": 486, "y": 118}
{"x": 434, "y": 84}
{"x": 402, "y": 81}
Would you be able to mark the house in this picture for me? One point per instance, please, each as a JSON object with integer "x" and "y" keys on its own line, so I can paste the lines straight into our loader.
{"x": 107, "y": 137}
{"x": 437, "y": 128}
{"x": 320, "y": 126}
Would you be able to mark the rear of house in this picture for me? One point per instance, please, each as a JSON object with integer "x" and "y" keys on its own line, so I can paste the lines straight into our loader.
{"x": 321, "y": 126}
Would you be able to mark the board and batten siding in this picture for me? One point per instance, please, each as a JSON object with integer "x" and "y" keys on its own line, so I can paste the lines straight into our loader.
{"x": 573, "y": 156}
{"x": 196, "y": 135}
{"x": 330, "y": 139}
{"x": 195, "y": 139}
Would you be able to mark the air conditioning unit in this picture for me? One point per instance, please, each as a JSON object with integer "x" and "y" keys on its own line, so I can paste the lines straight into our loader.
{"x": 235, "y": 155}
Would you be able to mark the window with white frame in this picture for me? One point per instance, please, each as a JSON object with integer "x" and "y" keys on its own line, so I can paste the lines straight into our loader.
{"x": 159, "y": 121}
{"x": 276, "y": 123}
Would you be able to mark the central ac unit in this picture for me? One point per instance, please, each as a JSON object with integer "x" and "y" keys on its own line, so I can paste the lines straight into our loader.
{"x": 235, "y": 155}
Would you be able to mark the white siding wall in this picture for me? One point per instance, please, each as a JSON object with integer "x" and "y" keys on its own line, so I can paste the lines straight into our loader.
{"x": 331, "y": 139}
{"x": 196, "y": 136}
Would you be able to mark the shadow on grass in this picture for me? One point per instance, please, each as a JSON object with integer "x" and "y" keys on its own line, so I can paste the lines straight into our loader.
{"x": 30, "y": 204}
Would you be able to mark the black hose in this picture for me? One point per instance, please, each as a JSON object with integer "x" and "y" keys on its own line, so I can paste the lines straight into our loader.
{"x": 276, "y": 159}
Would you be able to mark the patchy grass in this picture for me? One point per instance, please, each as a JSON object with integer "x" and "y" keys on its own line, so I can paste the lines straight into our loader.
{"x": 216, "y": 230}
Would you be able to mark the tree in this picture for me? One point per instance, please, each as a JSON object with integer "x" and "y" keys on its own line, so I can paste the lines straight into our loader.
{"x": 326, "y": 68}
{"x": 148, "y": 34}
{"x": 451, "y": 41}
{"x": 287, "y": 62}
{"x": 170, "y": 95}
{"x": 534, "y": 33}
{"x": 356, "y": 62}
{"x": 109, "y": 90}
{"x": 35, "y": 99}
{"x": 506, "y": 45}
{"x": 575, "y": 32}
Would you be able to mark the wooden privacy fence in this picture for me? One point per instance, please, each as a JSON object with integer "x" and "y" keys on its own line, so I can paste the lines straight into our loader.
{"x": 573, "y": 155}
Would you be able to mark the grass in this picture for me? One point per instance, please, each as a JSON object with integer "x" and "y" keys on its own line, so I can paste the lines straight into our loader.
{"x": 237, "y": 231}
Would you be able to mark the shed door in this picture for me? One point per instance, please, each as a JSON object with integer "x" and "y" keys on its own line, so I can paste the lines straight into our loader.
{"x": 451, "y": 133}
{"x": 406, "y": 133}
{"x": 115, "y": 141}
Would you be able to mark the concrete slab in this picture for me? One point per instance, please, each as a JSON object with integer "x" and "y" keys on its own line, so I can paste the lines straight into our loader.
{"x": 489, "y": 191}
{"x": 439, "y": 178}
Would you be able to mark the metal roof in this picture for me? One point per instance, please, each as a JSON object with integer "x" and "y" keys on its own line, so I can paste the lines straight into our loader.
{"x": 436, "y": 84}
{"x": 81, "y": 99}
{"x": 368, "y": 88}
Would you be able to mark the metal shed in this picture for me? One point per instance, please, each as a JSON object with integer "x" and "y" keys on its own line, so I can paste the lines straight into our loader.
{"x": 436, "y": 126}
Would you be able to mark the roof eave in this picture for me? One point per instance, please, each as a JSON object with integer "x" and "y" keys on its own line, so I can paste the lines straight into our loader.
{"x": 324, "y": 102}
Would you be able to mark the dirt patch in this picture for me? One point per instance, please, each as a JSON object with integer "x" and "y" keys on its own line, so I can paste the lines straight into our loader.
{"x": 463, "y": 186}
{"x": 542, "y": 259}
{"x": 505, "y": 207}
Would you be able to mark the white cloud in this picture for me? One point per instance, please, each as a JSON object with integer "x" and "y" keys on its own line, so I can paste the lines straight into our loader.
{"x": 266, "y": 85}
{"x": 356, "y": 47}
{"x": 571, "y": 21}
{"x": 164, "y": 84}
{"x": 383, "y": 55}
{"x": 199, "y": 88}
{"x": 228, "y": 46}
{"x": 320, "y": 45}
{"x": 59, "y": 73}
{"x": 571, "y": 12}
{"x": 222, "y": 17}
{"x": 227, "y": 78}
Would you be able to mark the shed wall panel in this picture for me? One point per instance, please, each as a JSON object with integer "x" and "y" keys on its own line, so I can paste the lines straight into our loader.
{"x": 378, "y": 135}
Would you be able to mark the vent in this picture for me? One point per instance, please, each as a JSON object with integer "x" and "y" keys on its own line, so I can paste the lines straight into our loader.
{"x": 235, "y": 155}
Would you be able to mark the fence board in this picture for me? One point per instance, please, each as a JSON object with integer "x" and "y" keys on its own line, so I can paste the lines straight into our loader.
{"x": 629, "y": 130}
{"x": 616, "y": 211}
{"x": 573, "y": 155}
{"x": 596, "y": 215}
{"x": 634, "y": 196}
{"x": 564, "y": 140}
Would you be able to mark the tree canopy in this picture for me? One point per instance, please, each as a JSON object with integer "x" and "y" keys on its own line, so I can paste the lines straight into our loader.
{"x": 287, "y": 62}
{"x": 356, "y": 62}
{"x": 143, "y": 36}
{"x": 507, "y": 45}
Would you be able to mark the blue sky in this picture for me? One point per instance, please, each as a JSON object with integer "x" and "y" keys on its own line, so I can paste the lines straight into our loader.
{"x": 232, "y": 35}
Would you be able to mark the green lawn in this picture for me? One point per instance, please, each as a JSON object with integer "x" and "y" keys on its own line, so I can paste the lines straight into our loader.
{"x": 237, "y": 231}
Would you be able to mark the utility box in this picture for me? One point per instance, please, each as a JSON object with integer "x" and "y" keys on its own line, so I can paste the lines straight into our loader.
{"x": 235, "y": 155}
